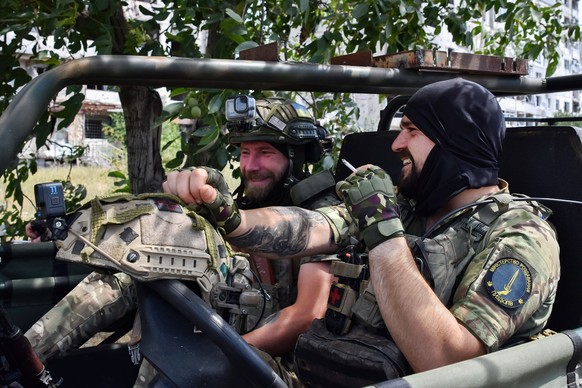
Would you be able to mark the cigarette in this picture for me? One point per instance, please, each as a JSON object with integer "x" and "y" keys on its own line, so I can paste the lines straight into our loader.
{"x": 348, "y": 165}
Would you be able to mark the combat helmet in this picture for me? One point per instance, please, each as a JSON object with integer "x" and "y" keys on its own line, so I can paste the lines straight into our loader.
{"x": 286, "y": 124}
{"x": 156, "y": 236}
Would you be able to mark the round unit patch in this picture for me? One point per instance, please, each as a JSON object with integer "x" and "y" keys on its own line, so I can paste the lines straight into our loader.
{"x": 508, "y": 282}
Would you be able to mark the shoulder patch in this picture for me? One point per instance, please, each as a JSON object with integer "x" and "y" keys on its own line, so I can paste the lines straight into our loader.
{"x": 508, "y": 282}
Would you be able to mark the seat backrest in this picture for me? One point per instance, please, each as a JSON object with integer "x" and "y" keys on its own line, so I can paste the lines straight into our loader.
{"x": 369, "y": 147}
{"x": 544, "y": 161}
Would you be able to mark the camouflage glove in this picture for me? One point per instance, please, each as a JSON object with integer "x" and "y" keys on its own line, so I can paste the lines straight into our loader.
{"x": 370, "y": 199}
{"x": 223, "y": 211}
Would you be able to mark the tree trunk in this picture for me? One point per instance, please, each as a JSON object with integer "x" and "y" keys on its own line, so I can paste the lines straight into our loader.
{"x": 141, "y": 107}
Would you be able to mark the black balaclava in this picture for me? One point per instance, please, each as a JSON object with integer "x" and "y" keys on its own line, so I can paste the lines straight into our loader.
{"x": 466, "y": 123}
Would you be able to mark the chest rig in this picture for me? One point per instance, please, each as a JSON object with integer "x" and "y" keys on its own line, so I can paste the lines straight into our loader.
{"x": 442, "y": 255}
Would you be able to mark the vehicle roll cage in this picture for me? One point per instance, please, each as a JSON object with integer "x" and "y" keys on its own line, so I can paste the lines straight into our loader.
{"x": 22, "y": 114}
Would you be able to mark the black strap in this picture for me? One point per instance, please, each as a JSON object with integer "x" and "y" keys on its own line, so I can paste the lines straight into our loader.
{"x": 571, "y": 368}
{"x": 312, "y": 186}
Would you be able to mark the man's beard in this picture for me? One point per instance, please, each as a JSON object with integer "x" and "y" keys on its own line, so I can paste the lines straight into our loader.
{"x": 408, "y": 185}
{"x": 260, "y": 193}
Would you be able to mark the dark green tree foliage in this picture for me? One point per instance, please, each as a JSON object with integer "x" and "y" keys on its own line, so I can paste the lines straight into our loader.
{"x": 306, "y": 30}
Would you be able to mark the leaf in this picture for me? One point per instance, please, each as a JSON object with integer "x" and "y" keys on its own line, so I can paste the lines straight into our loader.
{"x": 178, "y": 92}
{"x": 116, "y": 174}
{"x": 42, "y": 131}
{"x": 207, "y": 143}
{"x": 235, "y": 16}
{"x": 221, "y": 157}
{"x": 402, "y": 8}
{"x": 177, "y": 161}
{"x": 360, "y": 10}
{"x": 215, "y": 104}
{"x": 552, "y": 67}
{"x": 204, "y": 131}
{"x": 101, "y": 5}
{"x": 146, "y": 11}
{"x": 173, "y": 108}
{"x": 169, "y": 144}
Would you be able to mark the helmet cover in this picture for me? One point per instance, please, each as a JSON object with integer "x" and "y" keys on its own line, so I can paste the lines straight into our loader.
{"x": 149, "y": 236}
{"x": 277, "y": 121}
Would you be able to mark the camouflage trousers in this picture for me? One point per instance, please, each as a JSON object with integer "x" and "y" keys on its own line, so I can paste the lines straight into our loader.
{"x": 95, "y": 303}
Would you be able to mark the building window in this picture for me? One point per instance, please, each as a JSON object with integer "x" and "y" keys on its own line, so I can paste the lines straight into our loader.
{"x": 94, "y": 128}
{"x": 567, "y": 107}
{"x": 557, "y": 105}
{"x": 106, "y": 88}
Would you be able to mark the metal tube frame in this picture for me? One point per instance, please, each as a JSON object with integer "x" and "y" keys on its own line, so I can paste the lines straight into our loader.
{"x": 21, "y": 116}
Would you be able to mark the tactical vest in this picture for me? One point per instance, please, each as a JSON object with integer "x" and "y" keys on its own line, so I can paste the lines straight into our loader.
{"x": 351, "y": 346}
{"x": 442, "y": 259}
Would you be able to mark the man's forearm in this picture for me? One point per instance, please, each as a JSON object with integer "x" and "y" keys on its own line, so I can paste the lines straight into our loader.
{"x": 283, "y": 232}
{"x": 277, "y": 335}
{"x": 422, "y": 327}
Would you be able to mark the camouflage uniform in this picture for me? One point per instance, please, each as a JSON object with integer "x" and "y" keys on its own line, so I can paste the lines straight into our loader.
{"x": 95, "y": 303}
{"x": 506, "y": 285}
{"x": 525, "y": 245}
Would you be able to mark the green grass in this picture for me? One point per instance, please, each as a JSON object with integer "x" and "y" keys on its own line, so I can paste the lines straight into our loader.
{"x": 95, "y": 180}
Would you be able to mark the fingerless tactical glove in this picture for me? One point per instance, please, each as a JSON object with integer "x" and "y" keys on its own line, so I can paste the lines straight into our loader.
{"x": 223, "y": 210}
{"x": 370, "y": 200}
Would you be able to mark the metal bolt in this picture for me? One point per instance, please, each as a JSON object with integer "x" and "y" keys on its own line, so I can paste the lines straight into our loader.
{"x": 132, "y": 257}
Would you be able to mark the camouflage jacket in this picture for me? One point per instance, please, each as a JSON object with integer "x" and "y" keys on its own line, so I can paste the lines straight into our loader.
{"x": 497, "y": 276}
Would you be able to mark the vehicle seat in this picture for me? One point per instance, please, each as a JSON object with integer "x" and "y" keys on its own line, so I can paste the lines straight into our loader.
{"x": 546, "y": 161}
{"x": 543, "y": 161}
{"x": 369, "y": 147}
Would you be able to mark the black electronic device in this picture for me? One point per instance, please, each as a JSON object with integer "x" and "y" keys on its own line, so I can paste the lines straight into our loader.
{"x": 50, "y": 200}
